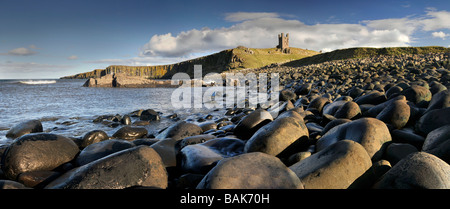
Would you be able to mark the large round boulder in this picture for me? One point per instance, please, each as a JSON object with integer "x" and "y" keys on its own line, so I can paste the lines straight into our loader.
{"x": 248, "y": 125}
{"x": 92, "y": 137}
{"x": 27, "y": 127}
{"x": 254, "y": 170}
{"x": 130, "y": 133}
{"x": 417, "y": 94}
{"x": 397, "y": 114}
{"x": 137, "y": 166}
{"x": 200, "y": 158}
{"x": 371, "y": 133}
{"x": 433, "y": 119}
{"x": 180, "y": 130}
{"x": 335, "y": 167}
{"x": 280, "y": 135}
{"x": 101, "y": 149}
{"x": 419, "y": 170}
{"x": 37, "y": 151}
{"x": 438, "y": 143}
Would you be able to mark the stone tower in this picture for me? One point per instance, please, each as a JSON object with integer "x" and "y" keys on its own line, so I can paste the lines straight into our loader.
{"x": 283, "y": 43}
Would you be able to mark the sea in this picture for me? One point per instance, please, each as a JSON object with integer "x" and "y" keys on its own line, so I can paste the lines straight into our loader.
{"x": 67, "y": 108}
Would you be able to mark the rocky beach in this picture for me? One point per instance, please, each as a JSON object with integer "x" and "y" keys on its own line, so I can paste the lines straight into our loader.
{"x": 380, "y": 122}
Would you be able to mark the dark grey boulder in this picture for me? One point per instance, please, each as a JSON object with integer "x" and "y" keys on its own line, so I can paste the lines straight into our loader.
{"x": 27, "y": 127}
{"x": 254, "y": 170}
{"x": 438, "y": 143}
{"x": 251, "y": 123}
{"x": 335, "y": 167}
{"x": 279, "y": 137}
{"x": 433, "y": 119}
{"x": 417, "y": 94}
{"x": 149, "y": 115}
{"x": 37, "y": 151}
{"x": 180, "y": 130}
{"x": 137, "y": 166}
{"x": 130, "y": 133}
{"x": 374, "y": 97}
{"x": 439, "y": 101}
{"x": 371, "y": 133}
{"x": 350, "y": 110}
{"x": 200, "y": 158}
{"x": 93, "y": 137}
{"x": 396, "y": 114}
{"x": 419, "y": 170}
{"x": 101, "y": 149}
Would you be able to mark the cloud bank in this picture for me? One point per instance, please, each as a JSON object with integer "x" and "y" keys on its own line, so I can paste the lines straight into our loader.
{"x": 260, "y": 29}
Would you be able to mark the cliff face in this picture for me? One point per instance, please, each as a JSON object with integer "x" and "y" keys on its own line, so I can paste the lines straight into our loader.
{"x": 213, "y": 63}
{"x": 237, "y": 58}
{"x": 121, "y": 80}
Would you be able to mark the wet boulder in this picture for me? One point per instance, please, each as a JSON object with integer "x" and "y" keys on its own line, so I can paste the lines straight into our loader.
{"x": 254, "y": 170}
{"x": 137, "y": 166}
{"x": 101, "y": 149}
{"x": 279, "y": 137}
{"x": 335, "y": 167}
{"x": 130, "y": 133}
{"x": 92, "y": 137}
{"x": 36, "y": 152}
{"x": 180, "y": 130}
{"x": 248, "y": 125}
{"x": 27, "y": 127}
{"x": 419, "y": 170}
{"x": 371, "y": 133}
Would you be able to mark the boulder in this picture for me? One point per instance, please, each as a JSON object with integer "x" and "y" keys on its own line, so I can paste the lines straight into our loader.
{"x": 287, "y": 94}
{"x": 371, "y": 133}
{"x": 350, "y": 110}
{"x": 251, "y": 123}
{"x": 130, "y": 133}
{"x": 206, "y": 126}
{"x": 281, "y": 135}
{"x": 371, "y": 176}
{"x": 180, "y": 130}
{"x": 397, "y": 114}
{"x": 101, "y": 149}
{"x": 419, "y": 170}
{"x": 149, "y": 115}
{"x": 8, "y": 184}
{"x": 191, "y": 140}
{"x": 374, "y": 97}
{"x": 397, "y": 151}
{"x": 417, "y": 94}
{"x": 433, "y": 120}
{"x": 27, "y": 127}
{"x": 168, "y": 150}
{"x": 254, "y": 170}
{"x": 335, "y": 167}
{"x": 438, "y": 143}
{"x": 137, "y": 166}
{"x": 319, "y": 103}
{"x": 374, "y": 111}
{"x": 439, "y": 101}
{"x": 93, "y": 137}
{"x": 37, "y": 152}
{"x": 200, "y": 158}
{"x": 125, "y": 120}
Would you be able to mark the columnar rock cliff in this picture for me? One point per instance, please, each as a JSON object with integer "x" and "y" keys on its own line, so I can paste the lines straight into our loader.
{"x": 237, "y": 58}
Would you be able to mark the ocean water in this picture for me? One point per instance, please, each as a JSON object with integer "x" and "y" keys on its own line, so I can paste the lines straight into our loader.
{"x": 66, "y": 108}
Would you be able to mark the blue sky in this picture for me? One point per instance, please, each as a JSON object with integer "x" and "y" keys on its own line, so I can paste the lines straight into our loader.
{"x": 54, "y": 38}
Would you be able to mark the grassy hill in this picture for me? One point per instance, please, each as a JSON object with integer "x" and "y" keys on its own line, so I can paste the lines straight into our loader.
{"x": 231, "y": 59}
{"x": 364, "y": 52}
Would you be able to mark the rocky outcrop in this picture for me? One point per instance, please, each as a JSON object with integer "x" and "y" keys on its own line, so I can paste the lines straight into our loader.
{"x": 124, "y": 81}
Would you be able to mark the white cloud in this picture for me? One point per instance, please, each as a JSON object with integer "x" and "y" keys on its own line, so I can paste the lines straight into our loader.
{"x": 439, "y": 34}
{"x": 436, "y": 20}
{"x": 22, "y": 51}
{"x": 73, "y": 57}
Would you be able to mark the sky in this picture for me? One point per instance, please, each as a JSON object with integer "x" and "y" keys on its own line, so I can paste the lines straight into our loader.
{"x": 55, "y": 38}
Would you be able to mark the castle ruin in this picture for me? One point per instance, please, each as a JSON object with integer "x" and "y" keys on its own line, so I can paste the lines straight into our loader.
{"x": 283, "y": 43}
